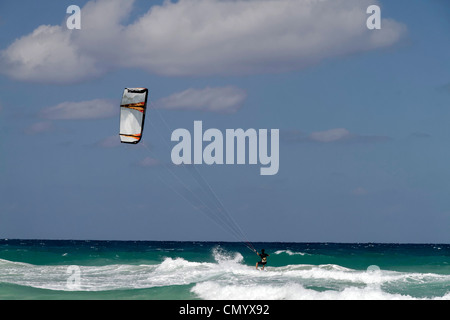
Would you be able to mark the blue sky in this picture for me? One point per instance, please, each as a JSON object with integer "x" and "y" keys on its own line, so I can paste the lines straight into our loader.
{"x": 363, "y": 118}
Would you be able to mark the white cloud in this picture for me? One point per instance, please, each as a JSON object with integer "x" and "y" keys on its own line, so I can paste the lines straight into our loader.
{"x": 47, "y": 54}
{"x": 331, "y": 135}
{"x": 344, "y": 135}
{"x": 198, "y": 37}
{"x": 219, "y": 99}
{"x": 251, "y": 36}
{"x": 336, "y": 135}
{"x": 91, "y": 109}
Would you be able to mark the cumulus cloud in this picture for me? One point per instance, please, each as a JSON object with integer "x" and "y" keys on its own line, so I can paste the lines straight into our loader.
{"x": 47, "y": 54}
{"x": 91, "y": 109}
{"x": 219, "y": 99}
{"x": 251, "y": 36}
{"x": 198, "y": 37}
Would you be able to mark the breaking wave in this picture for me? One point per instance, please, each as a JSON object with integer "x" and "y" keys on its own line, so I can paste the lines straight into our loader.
{"x": 228, "y": 277}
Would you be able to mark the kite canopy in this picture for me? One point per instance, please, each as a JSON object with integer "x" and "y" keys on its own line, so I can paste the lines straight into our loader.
{"x": 132, "y": 114}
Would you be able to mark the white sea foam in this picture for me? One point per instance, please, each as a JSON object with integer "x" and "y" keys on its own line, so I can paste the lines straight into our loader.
{"x": 289, "y": 291}
{"x": 227, "y": 277}
{"x": 291, "y": 253}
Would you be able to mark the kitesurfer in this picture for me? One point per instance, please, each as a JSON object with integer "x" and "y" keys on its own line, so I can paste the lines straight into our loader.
{"x": 263, "y": 261}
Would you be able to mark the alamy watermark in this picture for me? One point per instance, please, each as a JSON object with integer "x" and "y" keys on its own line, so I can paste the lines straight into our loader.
{"x": 373, "y": 269}
{"x": 374, "y": 21}
{"x": 74, "y": 280}
{"x": 74, "y": 20}
{"x": 234, "y": 151}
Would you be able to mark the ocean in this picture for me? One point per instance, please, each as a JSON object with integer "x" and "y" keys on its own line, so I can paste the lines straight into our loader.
{"x": 172, "y": 270}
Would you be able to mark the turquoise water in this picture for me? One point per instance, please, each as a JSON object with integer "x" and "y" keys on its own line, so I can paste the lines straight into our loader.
{"x": 54, "y": 269}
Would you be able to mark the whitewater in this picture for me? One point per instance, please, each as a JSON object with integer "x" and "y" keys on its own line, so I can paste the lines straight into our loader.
{"x": 221, "y": 271}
